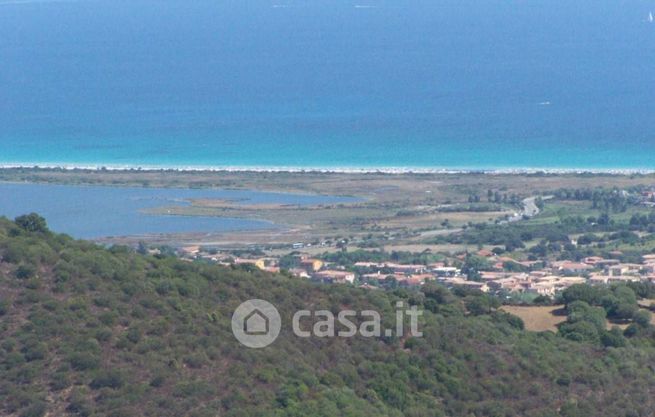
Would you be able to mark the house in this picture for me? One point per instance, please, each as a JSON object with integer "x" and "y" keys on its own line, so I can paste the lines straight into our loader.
{"x": 509, "y": 284}
{"x": 190, "y": 250}
{"x": 377, "y": 276}
{"x": 485, "y": 253}
{"x": 598, "y": 279}
{"x": 541, "y": 288}
{"x": 460, "y": 282}
{"x": 492, "y": 276}
{"x": 570, "y": 267}
{"x": 623, "y": 269}
{"x": 565, "y": 282}
{"x": 336, "y": 277}
{"x": 445, "y": 271}
{"x": 311, "y": 264}
{"x": 648, "y": 194}
{"x": 299, "y": 272}
{"x": 623, "y": 278}
{"x": 538, "y": 274}
{"x": 370, "y": 265}
{"x": 406, "y": 269}
{"x": 417, "y": 279}
{"x": 265, "y": 264}
{"x": 259, "y": 263}
{"x": 551, "y": 285}
{"x": 597, "y": 261}
{"x": 530, "y": 264}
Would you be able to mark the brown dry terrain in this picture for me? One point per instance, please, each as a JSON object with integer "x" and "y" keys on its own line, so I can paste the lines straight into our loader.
{"x": 543, "y": 318}
{"x": 538, "y": 318}
{"x": 647, "y": 303}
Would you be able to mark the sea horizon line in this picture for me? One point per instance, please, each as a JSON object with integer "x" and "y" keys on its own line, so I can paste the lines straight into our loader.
{"x": 322, "y": 169}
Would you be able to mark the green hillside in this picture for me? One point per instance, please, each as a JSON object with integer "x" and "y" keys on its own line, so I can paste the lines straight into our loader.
{"x": 90, "y": 331}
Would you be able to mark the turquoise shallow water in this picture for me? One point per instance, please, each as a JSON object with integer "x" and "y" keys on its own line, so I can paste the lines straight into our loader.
{"x": 255, "y": 83}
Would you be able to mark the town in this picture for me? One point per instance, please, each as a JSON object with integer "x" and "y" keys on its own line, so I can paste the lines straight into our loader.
{"x": 553, "y": 241}
{"x": 495, "y": 274}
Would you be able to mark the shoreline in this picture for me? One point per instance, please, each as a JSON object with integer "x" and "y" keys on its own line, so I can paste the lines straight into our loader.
{"x": 397, "y": 205}
{"x": 323, "y": 170}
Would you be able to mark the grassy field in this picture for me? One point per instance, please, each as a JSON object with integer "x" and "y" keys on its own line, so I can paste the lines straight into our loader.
{"x": 547, "y": 318}
{"x": 539, "y": 318}
{"x": 556, "y": 210}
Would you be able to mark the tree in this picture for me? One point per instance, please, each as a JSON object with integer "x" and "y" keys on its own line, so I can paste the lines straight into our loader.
{"x": 482, "y": 304}
{"x": 438, "y": 293}
{"x": 142, "y": 248}
{"x": 543, "y": 300}
{"x": 473, "y": 265}
{"x": 25, "y": 271}
{"x": 391, "y": 282}
{"x": 587, "y": 239}
{"x": 609, "y": 302}
{"x": 604, "y": 219}
{"x": 581, "y": 311}
{"x": 613, "y": 338}
{"x": 32, "y": 223}
{"x": 642, "y": 318}
{"x": 498, "y": 250}
{"x": 626, "y": 305}
{"x": 514, "y": 267}
{"x": 581, "y": 331}
{"x": 625, "y": 311}
{"x": 625, "y": 294}
{"x": 582, "y": 292}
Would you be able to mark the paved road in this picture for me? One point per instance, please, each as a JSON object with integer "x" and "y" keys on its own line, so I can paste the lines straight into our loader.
{"x": 530, "y": 208}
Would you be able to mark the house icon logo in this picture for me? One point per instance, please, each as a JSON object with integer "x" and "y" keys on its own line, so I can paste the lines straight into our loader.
{"x": 256, "y": 323}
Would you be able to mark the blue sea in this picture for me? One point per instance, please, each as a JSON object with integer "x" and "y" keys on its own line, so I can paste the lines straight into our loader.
{"x": 484, "y": 84}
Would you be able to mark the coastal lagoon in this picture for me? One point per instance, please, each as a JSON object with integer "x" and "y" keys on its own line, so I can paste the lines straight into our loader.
{"x": 97, "y": 211}
{"x": 297, "y": 83}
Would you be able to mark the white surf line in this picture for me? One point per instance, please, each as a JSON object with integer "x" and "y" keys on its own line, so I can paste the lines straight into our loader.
{"x": 318, "y": 169}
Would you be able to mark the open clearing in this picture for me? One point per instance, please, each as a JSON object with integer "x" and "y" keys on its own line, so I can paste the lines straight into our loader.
{"x": 538, "y": 318}
{"x": 543, "y": 318}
